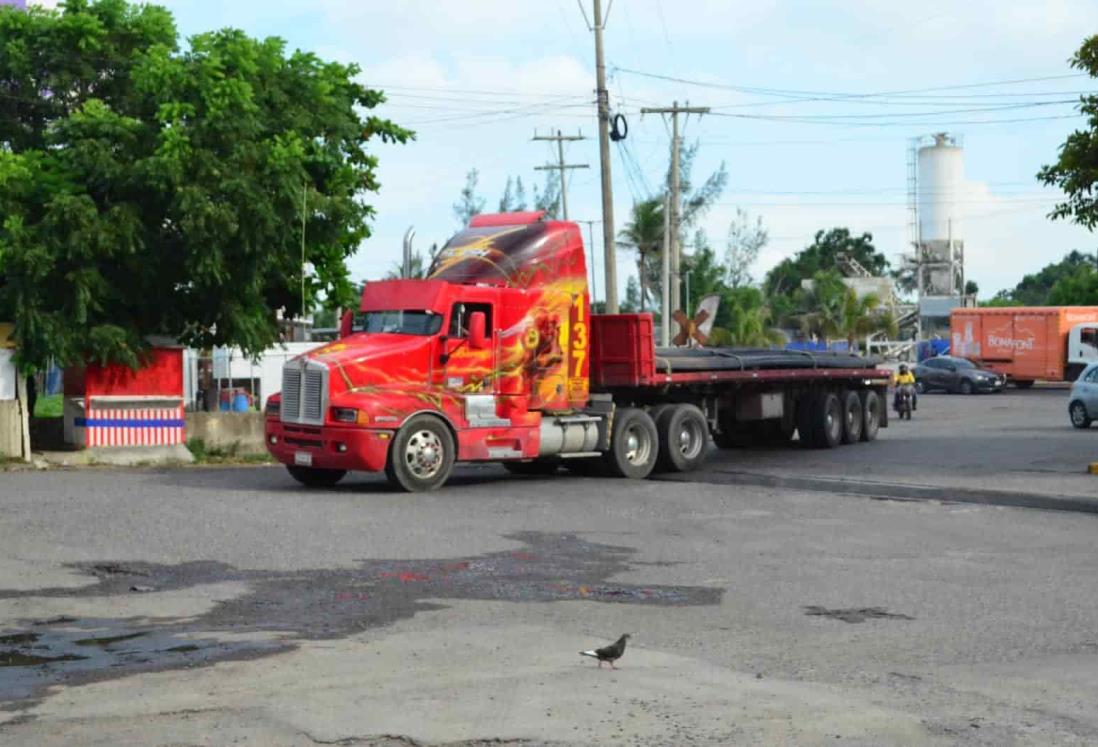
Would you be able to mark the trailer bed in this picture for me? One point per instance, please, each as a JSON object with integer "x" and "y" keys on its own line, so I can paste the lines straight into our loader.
{"x": 624, "y": 355}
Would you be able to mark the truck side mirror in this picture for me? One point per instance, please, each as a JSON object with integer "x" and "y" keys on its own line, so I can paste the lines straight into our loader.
{"x": 478, "y": 337}
{"x": 345, "y": 322}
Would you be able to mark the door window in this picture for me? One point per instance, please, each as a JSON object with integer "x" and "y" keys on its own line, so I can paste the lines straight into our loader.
{"x": 459, "y": 318}
{"x": 1092, "y": 377}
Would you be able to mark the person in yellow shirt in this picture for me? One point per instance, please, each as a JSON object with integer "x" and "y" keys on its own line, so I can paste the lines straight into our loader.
{"x": 903, "y": 378}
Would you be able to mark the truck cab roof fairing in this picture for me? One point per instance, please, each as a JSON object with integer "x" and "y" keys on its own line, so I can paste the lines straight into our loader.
{"x": 385, "y": 295}
{"x": 525, "y": 255}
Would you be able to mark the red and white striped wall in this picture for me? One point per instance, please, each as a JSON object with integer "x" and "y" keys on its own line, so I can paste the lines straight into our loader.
{"x": 104, "y": 425}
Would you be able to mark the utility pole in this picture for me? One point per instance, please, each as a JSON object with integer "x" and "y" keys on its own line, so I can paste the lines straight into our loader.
{"x": 676, "y": 147}
{"x": 604, "y": 158}
{"x": 665, "y": 275}
{"x": 561, "y": 165}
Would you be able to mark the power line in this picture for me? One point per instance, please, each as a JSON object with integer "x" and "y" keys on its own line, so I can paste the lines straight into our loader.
{"x": 561, "y": 166}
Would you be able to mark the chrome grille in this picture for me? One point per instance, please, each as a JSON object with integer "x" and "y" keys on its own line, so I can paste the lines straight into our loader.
{"x": 314, "y": 392}
{"x": 291, "y": 392}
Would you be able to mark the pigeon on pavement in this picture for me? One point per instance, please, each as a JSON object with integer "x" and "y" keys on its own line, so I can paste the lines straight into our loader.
{"x": 610, "y": 653}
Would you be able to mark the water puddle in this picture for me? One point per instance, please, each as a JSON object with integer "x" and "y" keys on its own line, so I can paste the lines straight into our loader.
{"x": 855, "y": 614}
{"x": 310, "y": 604}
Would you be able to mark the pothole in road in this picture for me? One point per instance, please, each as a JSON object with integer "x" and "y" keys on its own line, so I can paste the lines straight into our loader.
{"x": 319, "y": 604}
{"x": 855, "y": 614}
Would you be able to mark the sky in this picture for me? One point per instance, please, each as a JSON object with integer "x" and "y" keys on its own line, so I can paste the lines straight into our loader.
{"x": 814, "y": 105}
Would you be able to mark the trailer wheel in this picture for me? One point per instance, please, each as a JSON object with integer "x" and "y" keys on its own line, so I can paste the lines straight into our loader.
{"x": 871, "y": 415}
{"x": 422, "y": 455}
{"x": 828, "y": 418}
{"x": 534, "y": 467}
{"x": 634, "y": 444}
{"x": 314, "y": 477}
{"x": 682, "y": 433}
{"x": 852, "y": 418}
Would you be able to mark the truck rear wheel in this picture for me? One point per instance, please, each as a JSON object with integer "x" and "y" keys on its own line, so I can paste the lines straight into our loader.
{"x": 314, "y": 477}
{"x": 634, "y": 444}
{"x": 682, "y": 433}
{"x": 820, "y": 420}
{"x": 852, "y": 418}
{"x": 422, "y": 455}
{"x": 871, "y": 415}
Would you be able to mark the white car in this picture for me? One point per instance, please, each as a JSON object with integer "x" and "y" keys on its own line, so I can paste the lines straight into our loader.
{"x": 1084, "y": 398}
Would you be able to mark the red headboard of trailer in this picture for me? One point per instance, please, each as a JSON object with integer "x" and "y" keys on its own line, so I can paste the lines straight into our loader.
{"x": 623, "y": 351}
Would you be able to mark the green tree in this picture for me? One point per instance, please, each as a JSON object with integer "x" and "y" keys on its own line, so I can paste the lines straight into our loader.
{"x": 1078, "y": 289}
{"x": 746, "y": 238}
{"x": 548, "y": 199}
{"x": 418, "y": 268}
{"x": 469, "y": 203}
{"x": 149, "y": 190}
{"x": 1035, "y": 289}
{"x": 747, "y": 320}
{"x": 632, "y": 303}
{"x": 1074, "y": 171}
{"x": 823, "y": 255}
{"x": 643, "y": 234}
{"x": 695, "y": 199}
{"x": 514, "y": 196}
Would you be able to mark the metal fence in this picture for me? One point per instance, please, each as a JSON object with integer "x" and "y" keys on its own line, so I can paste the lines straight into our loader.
{"x": 229, "y": 381}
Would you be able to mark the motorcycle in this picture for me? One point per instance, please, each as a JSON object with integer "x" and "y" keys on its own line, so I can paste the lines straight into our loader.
{"x": 904, "y": 396}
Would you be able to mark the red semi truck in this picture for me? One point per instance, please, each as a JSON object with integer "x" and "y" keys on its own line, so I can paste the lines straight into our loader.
{"x": 497, "y": 357}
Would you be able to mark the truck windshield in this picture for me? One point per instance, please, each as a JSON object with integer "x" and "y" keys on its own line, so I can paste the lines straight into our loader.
{"x": 399, "y": 322}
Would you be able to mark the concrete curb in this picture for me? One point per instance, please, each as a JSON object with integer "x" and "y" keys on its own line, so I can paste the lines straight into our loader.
{"x": 894, "y": 491}
{"x": 119, "y": 456}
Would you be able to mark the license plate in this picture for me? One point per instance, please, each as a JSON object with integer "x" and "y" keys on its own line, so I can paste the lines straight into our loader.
{"x": 303, "y": 458}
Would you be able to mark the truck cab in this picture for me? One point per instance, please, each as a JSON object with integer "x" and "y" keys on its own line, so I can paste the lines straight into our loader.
{"x": 495, "y": 340}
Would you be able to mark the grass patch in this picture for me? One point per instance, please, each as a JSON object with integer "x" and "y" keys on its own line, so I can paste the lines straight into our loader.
{"x": 204, "y": 454}
{"x": 49, "y": 406}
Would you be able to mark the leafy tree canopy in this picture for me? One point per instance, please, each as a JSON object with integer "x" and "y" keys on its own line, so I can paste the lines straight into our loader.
{"x": 822, "y": 256}
{"x": 150, "y": 189}
{"x": 1035, "y": 289}
{"x": 1075, "y": 171}
{"x": 1078, "y": 289}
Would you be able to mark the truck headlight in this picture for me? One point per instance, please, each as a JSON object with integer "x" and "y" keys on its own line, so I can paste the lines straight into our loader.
{"x": 344, "y": 414}
{"x": 274, "y": 407}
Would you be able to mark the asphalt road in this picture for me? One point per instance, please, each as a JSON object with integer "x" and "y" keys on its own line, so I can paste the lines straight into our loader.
{"x": 217, "y": 606}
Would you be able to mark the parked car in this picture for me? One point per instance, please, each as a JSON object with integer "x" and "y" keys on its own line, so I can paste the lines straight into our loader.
{"x": 953, "y": 374}
{"x": 1083, "y": 409}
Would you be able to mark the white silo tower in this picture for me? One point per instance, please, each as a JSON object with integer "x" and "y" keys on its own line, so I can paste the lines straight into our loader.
{"x": 939, "y": 246}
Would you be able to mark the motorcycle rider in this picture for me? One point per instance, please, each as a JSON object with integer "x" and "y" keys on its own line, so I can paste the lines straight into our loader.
{"x": 904, "y": 378}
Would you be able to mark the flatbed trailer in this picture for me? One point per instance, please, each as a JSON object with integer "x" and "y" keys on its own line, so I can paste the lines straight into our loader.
{"x": 497, "y": 357}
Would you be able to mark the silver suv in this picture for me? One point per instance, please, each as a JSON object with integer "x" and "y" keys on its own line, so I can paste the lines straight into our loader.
{"x": 1084, "y": 398}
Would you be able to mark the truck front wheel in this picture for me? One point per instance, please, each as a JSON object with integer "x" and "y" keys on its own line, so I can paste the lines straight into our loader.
{"x": 682, "y": 433}
{"x": 634, "y": 444}
{"x": 422, "y": 455}
{"x": 315, "y": 477}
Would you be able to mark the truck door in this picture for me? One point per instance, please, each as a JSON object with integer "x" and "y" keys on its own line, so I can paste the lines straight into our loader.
{"x": 468, "y": 370}
{"x": 1083, "y": 344}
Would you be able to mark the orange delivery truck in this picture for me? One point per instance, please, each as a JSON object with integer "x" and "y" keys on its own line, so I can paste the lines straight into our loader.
{"x": 1027, "y": 343}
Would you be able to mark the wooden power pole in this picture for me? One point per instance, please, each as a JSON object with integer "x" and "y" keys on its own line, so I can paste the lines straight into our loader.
{"x": 609, "y": 261}
{"x": 561, "y": 166}
{"x": 676, "y": 148}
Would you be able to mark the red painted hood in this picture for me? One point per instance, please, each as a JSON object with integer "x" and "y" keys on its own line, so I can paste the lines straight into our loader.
{"x": 365, "y": 362}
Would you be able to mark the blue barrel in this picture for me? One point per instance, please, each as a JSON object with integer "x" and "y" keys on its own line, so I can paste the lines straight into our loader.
{"x": 240, "y": 402}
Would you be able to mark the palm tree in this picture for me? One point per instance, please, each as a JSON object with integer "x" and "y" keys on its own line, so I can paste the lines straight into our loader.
{"x": 823, "y": 302}
{"x": 862, "y": 316}
{"x": 644, "y": 235}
